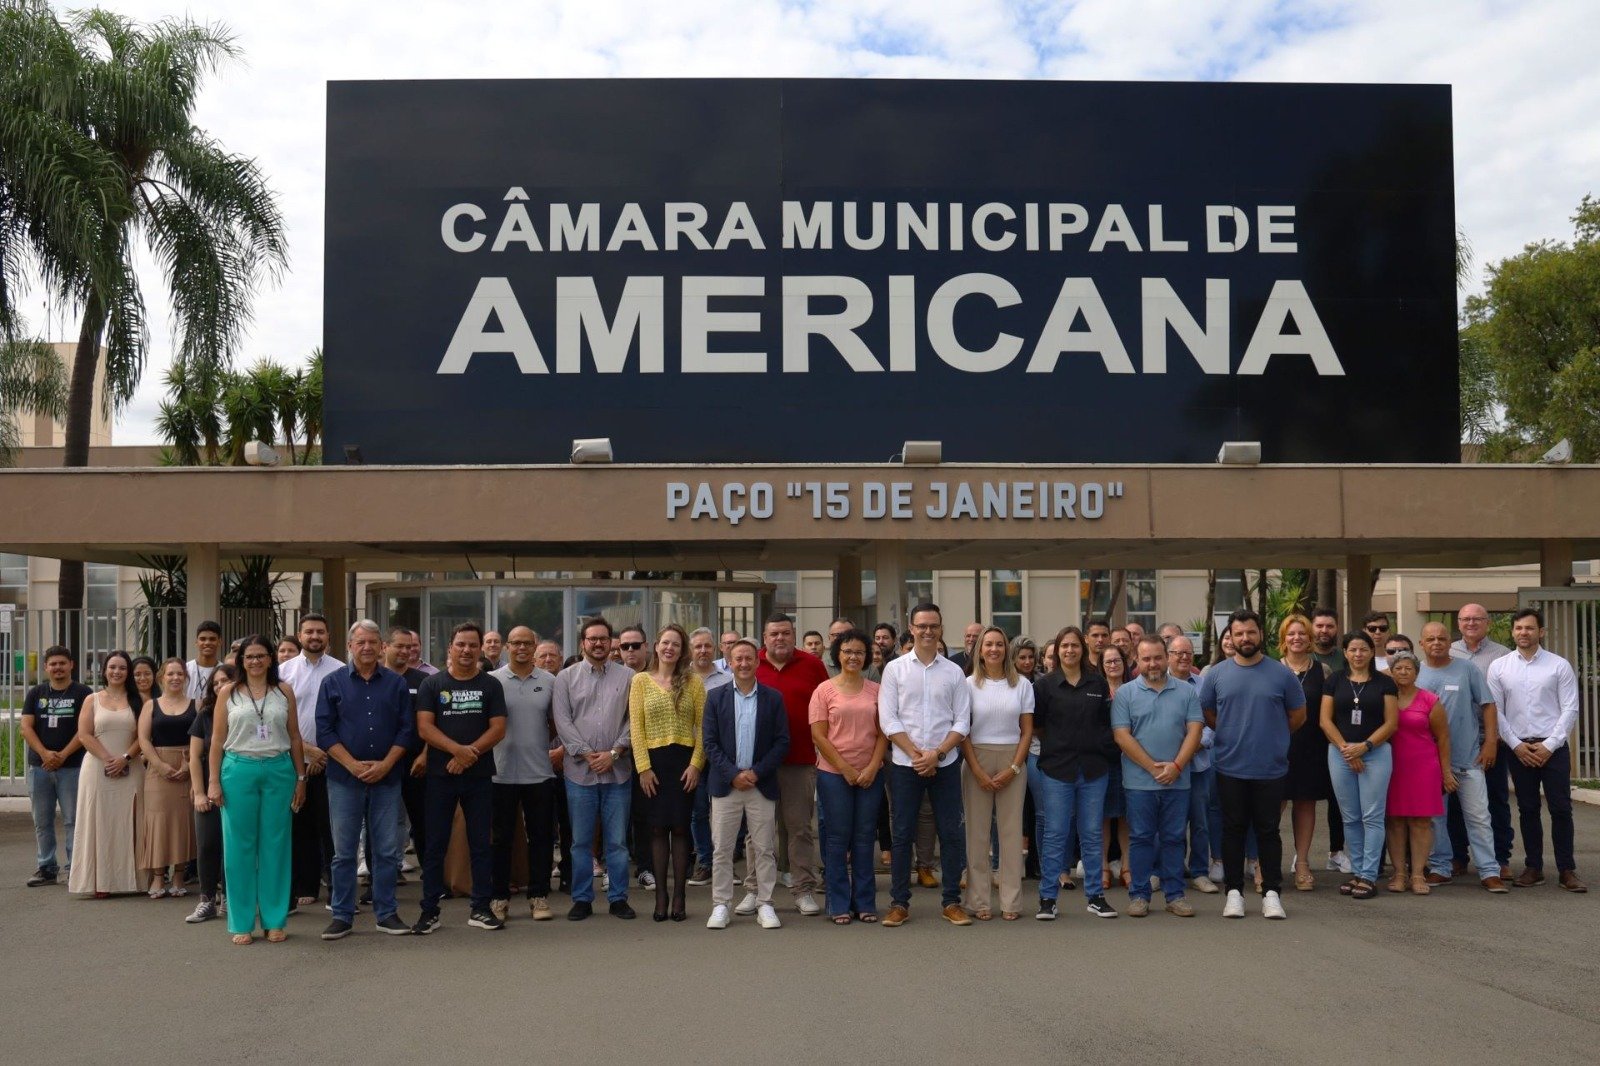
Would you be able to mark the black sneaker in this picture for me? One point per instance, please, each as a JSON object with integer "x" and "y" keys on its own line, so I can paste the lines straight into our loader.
{"x": 41, "y": 876}
{"x": 484, "y": 920}
{"x": 337, "y": 930}
{"x": 1047, "y": 910}
{"x": 365, "y": 899}
{"x": 394, "y": 926}
{"x": 580, "y": 910}
{"x": 1100, "y": 908}
{"x": 427, "y": 923}
{"x": 620, "y": 909}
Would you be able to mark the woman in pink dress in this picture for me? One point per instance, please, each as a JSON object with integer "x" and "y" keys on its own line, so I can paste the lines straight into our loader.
{"x": 1421, "y": 775}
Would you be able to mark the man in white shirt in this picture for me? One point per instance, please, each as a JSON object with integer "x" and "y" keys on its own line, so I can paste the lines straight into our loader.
{"x": 925, "y": 709}
{"x": 1537, "y": 694}
{"x": 313, "y": 832}
{"x": 207, "y": 643}
{"x": 702, "y": 649}
{"x": 1476, "y": 647}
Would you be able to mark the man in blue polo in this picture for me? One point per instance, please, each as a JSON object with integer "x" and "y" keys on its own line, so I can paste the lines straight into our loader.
{"x": 1156, "y": 721}
{"x": 365, "y": 722}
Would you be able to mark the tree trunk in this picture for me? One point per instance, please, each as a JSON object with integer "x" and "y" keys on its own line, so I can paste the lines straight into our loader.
{"x": 1117, "y": 606}
{"x": 305, "y": 592}
{"x": 80, "y": 417}
{"x": 1261, "y": 595}
{"x": 1327, "y": 589}
{"x": 1209, "y": 626}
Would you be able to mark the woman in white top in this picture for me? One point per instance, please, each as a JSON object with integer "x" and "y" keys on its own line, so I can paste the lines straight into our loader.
{"x": 992, "y": 787}
{"x": 255, "y": 753}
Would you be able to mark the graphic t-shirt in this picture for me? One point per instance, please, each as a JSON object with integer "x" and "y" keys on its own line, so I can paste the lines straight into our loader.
{"x": 55, "y": 718}
{"x": 461, "y": 711}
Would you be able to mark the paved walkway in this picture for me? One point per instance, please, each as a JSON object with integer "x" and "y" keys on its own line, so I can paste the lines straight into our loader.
{"x": 1450, "y": 977}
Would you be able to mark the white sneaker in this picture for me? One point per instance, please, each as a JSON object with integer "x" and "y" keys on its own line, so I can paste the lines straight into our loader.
{"x": 767, "y": 917}
{"x": 601, "y": 882}
{"x": 1339, "y": 860}
{"x": 719, "y": 917}
{"x": 500, "y": 908}
{"x": 1215, "y": 873}
{"x": 1234, "y": 908}
{"x": 1272, "y": 906}
{"x": 647, "y": 879}
{"x": 1205, "y": 884}
{"x": 807, "y": 905}
{"x": 1077, "y": 870}
{"x": 787, "y": 878}
{"x": 407, "y": 866}
{"x": 746, "y": 905}
{"x": 361, "y": 869}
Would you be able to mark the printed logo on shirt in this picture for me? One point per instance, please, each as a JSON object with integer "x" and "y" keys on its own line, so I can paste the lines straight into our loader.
{"x": 461, "y": 701}
{"x": 55, "y": 708}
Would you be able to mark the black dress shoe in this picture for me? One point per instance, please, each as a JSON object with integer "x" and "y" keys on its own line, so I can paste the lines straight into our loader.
{"x": 620, "y": 909}
{"x": 580, "y": 910}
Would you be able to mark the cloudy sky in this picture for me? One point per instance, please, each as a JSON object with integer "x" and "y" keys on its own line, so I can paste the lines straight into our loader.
{"x": 1526, "y": 84}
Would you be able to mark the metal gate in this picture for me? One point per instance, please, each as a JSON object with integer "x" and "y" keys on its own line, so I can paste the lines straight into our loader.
{"x": 1572, "y": 631}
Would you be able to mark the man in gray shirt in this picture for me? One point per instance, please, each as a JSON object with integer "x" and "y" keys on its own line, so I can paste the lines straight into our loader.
{"x": 1476, "y": 647}
{"x": 591, "y": 720}
{"x": 524, "y": 777}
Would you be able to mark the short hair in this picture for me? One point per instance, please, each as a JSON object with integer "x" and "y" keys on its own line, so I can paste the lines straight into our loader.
{"x": 846, "y": 621}
{"x": 1354, "y": 635}
{"x": 1147, "y": 639}
{"x": 703, "y": 632}
{"x": 924, "y": 607}
{"x": 745, "y": 642}
{"x": 1528, "y": 612}
{"x": 894, "y": 634}
{"x": 1374, "y": 616}
{"x": 844, "y": 638}
{"x": 1244, "y": 614}
{"x": 364, "y": 625}
{"x": 776, "y": 618}
{"x": 312, "y": 616}
{"x": 1324, "y": 612}
{"x": 1096, "y": 620}
{"x": 634, "y": 628}
{"x": 1400, "y": 637}
{"x": 292, "y": 639}
{"x": 1177, "y": 630}
{"x": 55, "y": 651}
{"x": 1403, "y": 657}
{"x": 811, "y": 633}
{"x": 597, "y": 620}
{"x": 399, "y": 631}
{"x": 467, "y": 627}
{"x": 208, "y": 626}
{"x": 905, "y": 640}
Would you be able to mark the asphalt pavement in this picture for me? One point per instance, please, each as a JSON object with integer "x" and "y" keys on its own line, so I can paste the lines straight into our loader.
{"x": 1459, "y": 975}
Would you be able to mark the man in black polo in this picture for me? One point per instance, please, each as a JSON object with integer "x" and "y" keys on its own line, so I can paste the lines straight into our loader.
{"x": 461, "y": 714}
{"x": 50, "y": 729}
{"x": 398, "y": 656}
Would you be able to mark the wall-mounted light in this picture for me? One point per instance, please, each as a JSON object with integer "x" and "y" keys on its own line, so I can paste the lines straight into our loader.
{"x": 922, "y": 453}
{"x": 591, "y": 450}
{"x": 1240, "y": 453}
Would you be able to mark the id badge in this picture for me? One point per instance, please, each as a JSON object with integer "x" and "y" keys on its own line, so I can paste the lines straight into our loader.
{"x": 262, "y": 732}
{"x": 1355, "y": 715}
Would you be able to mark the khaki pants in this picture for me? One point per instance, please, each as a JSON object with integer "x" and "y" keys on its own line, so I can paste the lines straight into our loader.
{"x": 759, "y": 815}
{"x": 797, "y": 820}
{"x": 1006, "y": 808}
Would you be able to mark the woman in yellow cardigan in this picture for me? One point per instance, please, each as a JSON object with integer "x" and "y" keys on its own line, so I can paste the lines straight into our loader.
{"x": 665, "y": 703}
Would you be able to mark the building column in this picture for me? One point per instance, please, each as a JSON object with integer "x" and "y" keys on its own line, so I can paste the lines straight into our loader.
{"x": 890, "y": 566}
{"x": 334, "y": 607}
{"x": 204, "y": 602}
{"x": 847, "y": 588}
{"x": 1358, "y": 590}
{"x": 1555, "y": 563}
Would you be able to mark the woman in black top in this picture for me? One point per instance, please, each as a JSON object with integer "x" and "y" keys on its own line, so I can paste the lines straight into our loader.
{"x": 207, "y": 818}
{"x": 1360, "y": 712}
{"x": 1072, "y": 719}
{"x": 167, "y": 839}
{"x": 1307, "y": 783}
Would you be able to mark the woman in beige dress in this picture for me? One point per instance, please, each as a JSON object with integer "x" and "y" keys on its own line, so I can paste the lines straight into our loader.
{"x": 168, "y": 837}
{"x": 104, "y": 859}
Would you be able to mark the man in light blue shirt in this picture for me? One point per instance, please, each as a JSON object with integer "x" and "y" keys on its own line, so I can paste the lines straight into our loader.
{"x": 1156, "y": 721}
{"x": 1468, "y": 709}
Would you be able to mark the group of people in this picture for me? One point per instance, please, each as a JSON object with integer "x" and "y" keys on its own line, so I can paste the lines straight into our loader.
{"x": 282, "y": 769}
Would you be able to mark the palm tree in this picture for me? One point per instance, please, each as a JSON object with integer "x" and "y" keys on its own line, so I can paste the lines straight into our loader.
{"x": 32, "y": 381}
{"x": 308, "y": 400}
{"x": 189, "y": 420}
{"x": 207, "y": 216}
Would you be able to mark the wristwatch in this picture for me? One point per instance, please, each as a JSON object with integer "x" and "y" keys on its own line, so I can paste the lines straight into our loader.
{"x": 616, "y": 754}
{"x": 1016, "y": 771}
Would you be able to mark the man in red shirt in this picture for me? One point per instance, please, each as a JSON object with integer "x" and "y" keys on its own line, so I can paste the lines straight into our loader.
{"x": 796, "y": 674}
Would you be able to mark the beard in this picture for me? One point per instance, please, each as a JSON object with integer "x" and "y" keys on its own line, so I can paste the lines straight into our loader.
{"x": 1245, "y": 649}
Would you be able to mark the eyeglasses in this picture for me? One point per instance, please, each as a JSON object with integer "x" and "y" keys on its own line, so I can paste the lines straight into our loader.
{"x": 631, "y": 645}
{"x": 932, "y": 627}
{"x": 1395, "y": 650}
{"x": 1378, "y": 628}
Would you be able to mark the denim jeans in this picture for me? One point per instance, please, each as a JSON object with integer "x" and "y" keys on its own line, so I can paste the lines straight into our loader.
{"x": 1156, "y": 821}
{"x": 848, "y": 846}
{"x": 350, "y": 805}
{"x": 1199, "y": 822}
{"x": 48, "y": 789}
{"x": 1067, "y": 804}
{"x": 1036, "y": 786}
{"x": 1363, "y": 799}
{"x": 606, "y": 807}
{"x": 475, "y": 797}
{"x": 1472, "y": 793}
{"x": 906, "y": 789}
{"x": 1498, "y": 780}
{"x": 1555, "y": 778}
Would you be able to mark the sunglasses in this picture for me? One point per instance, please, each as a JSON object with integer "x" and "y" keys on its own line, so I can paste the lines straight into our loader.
{"x": 631, "y": 645}
{"x": 1395, "y": 651}
{"x": 1377, "y": 629}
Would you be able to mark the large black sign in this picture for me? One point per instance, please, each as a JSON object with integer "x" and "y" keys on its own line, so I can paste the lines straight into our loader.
{"x": 817, "y": 271}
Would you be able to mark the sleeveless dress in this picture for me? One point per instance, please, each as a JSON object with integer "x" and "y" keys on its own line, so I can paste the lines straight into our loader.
{"x": 168, "y": 836}
{"x": 1416, "y": 788}
{"x": 104, "y": 853}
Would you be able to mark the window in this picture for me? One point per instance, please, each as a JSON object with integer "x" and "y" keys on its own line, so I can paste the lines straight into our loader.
{"x": 100, "y": 586}
{"x": 14, "y": 580}
{"x": 448, "y": 608}
{"x": 787, "y": 596}
{"x": 1230, "y": 591}
{"x": 1005, "y": 600}
{"x": 1139, "y": 596}
{"x": 919, "y": 587}
{"x": 538, "y": 609}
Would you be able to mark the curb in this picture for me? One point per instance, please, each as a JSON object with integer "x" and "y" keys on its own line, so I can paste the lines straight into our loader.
{"x": 1586, "y": 795}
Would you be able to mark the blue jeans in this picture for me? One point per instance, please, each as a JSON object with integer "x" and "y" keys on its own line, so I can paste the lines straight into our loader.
{"x": 1363, "y": 799}
{"x": 1472, "y": 792}
{"x": 350, "y": 803}
{"x": 848, "y": 845}
{"x": 700, "y": 827}
{"x": 1156, "y": 821}
{"x": 48, "y": 789}
{"x": 1036, "y": 789}
{"x": 1200, "y": 822}
{"x": 607, "y": 807}
{"x": 1065, "y": 804}
{"x": 906, "y": 789}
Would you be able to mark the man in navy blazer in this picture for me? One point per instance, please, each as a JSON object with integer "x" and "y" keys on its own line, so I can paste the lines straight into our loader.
{"x": 746, "y": 738}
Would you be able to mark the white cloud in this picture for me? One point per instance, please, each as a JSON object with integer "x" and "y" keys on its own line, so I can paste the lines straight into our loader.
{"x": 1526, "y": 88}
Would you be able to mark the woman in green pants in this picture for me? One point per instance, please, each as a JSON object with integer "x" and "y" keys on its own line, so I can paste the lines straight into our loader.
{"x": 257, "y": 782}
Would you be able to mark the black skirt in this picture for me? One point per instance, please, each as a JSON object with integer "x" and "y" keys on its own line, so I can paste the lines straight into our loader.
{"x": 671, "y": 807}
{"x": 1308, "y": 777}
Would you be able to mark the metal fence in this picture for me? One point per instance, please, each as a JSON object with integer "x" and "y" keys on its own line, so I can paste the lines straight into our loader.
{"x": 1572, "y": 631}
{"x": 160, "y": 633}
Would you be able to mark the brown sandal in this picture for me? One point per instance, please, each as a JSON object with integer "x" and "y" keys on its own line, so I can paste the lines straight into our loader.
{"x": 241, "y": 939}
{"x": 983, "y": 914}
{"x": 1303, "y": 880}
{"x": 1420, "y": 886}
{"x": 1010, "y": 916}
{"x": 276, "y": 936}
